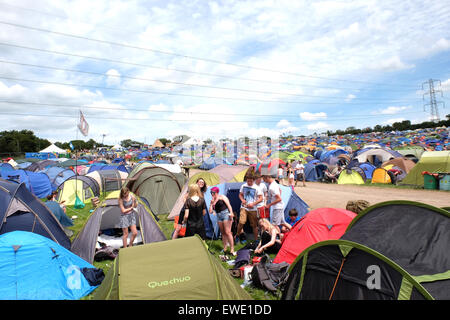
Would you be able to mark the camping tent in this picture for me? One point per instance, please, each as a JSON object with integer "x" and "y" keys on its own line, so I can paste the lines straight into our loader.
{"x": 37, "y": 268}
{"x": 53, "y": 148}
{"x": 21, "y": 210}
{"x": 157, "y": 144}
{"x": 392, "y": 250}
{"x": 189, "y": 272}
{"x": 82, "y": 186}
{"x": 351, "y": 176}
{"x": 58, "y": 175}
{"x": 317, "y": 225}
{"x": 41, "y": 165}
{"x": 377, "y": 156}
{"x": 158, "y": 186}
{"x": 431, "y": 161}
{"x": 107, "y": 216}
{"x": 37, "y": 182}
{"x": 109, "y": 180}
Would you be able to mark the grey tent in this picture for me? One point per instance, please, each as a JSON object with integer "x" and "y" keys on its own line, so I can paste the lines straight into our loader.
{"x": 107, "y": 216}
{"x": 157, "y": 185}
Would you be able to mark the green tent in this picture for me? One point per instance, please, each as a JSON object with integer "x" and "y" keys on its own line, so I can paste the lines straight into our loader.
{"x": 297, "y": 155}
{"x": 431, "y": 161}
{"x": 180, "y": 269}
{"x": 157, "y": 185}
{"x": 350, "y": 177}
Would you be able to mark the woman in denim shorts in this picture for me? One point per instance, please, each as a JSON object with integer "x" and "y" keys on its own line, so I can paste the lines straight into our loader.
{"x": 220, "y": 205}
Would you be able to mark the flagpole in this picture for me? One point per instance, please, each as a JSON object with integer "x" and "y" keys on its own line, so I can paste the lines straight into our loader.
{"x": 76, "y": 162}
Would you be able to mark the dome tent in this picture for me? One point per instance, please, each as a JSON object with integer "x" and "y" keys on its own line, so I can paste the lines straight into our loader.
{"x": 21, "y": 210}
{"x": 147, "y": 272}
{"x": 407, "y": 241}
{"x": 37, "y": 268}
{"x": 107, "y": 216}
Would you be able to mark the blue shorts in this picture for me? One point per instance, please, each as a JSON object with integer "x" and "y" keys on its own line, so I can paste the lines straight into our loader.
{"x": 223, "y": 216}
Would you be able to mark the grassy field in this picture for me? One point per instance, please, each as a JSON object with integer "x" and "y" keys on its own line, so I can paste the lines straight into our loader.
{"x": 215, "y": 247}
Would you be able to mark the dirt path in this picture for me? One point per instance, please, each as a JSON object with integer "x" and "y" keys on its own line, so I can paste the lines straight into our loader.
{"x": 318, "y": 195}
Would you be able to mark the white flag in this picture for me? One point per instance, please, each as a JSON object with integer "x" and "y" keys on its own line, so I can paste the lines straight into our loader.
{"x": 83, "y": 125}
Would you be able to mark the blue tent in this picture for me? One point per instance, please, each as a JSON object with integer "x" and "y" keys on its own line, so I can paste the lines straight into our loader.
{"x": 37, "y": 182}
{"x": 37, "y": 268}
{"x": 332, "y": 153}
{"x": 213, "y": 162}
{"x": 98, "y": 167}
{"x": 314, "y": 171}
{"x": 21, "y": 210}
{"x": 58, "y": 175}
{"x": 368, "y": 168}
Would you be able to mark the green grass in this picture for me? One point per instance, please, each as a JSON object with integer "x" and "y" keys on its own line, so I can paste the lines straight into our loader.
{"x": 215, "y": 246}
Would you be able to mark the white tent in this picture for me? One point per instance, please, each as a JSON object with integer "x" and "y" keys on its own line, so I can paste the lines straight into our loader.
{"x": 117, "y": 147}
{"x": 53, "y": 148}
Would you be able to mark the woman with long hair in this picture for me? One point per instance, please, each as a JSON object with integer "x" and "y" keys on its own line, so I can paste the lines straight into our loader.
{"x": 220, "y": 205}
{"x": 194, "y": 210}
{"x": 203, "y": 187}
{"x": 270, "y": 237}
{"x": 127, "y": 205}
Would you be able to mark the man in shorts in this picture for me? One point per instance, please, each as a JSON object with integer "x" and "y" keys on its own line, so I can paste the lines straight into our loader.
{"x": 274, "y": 200}
{"x": 250, "y": 195}
{"x": 300, "y": 172}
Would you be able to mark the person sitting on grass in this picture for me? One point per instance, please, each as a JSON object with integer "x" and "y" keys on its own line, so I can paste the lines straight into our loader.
{"x": 270, "y": 238}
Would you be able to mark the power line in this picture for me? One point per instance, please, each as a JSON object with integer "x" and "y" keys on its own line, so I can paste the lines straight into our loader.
{"x": 184, "y": 94}
{"x": 189, "y": 84}
{"x": 188, "y": 120}
{"x": 186, "y": 56}
{"x": 206, "y": 74}
{"x": 284, "y": 115}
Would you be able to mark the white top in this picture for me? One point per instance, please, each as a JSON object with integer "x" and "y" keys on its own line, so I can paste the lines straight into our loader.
{"x": 263, "y": 187}
{"x": 251, "y": 194}
{"x": 274, "y": 189}
{"x": 299, "y": 168}
{"x": 280, "y": 172}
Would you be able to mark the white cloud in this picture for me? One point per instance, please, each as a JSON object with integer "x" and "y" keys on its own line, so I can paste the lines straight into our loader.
{"x": 318, "y": 126}
{"x": 113, "y": 77}
{"x": 283, "y": 124}
{"x": 445, "y": 85}
{"x": 350, "y": 97}
{"x": 308, "y": 116}
{"x": 393, "y": 110}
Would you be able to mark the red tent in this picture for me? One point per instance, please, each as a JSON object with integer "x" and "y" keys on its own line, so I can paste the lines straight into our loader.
{"x": 317, "y": 225}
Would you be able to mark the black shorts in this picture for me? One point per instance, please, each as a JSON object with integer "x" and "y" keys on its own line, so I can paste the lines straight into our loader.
{"x": 300, "y": 177}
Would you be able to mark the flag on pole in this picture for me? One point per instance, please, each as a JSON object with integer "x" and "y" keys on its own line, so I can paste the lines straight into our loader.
{"x": 83, "y": 125}
{"x": 71, "y": 145}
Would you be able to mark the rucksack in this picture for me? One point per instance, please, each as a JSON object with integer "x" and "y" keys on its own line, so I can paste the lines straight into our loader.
{"x": 242, "y": 258}
{"x": 268, "y": 275}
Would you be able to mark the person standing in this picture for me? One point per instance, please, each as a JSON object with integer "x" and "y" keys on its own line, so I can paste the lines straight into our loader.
{"x": 220, "y": 204}
{"x": 250, "y": 195}
{"x": 203, "y": 187}
{"x": 274, "y": 200}
{"x": 300, "y": 171}
{"x": 194, "y": 210}
{"x": 127, "y": 205}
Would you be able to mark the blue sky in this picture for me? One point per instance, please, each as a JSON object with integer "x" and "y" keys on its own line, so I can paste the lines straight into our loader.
{"x": 151, "y": 69}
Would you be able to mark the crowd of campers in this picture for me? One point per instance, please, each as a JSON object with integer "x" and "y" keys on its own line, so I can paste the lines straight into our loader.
{"x": 238, "y": 223}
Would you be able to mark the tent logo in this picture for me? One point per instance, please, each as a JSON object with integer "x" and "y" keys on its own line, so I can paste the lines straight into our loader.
{"x": 374, "y": 280}
{"x": 173, "y": 281}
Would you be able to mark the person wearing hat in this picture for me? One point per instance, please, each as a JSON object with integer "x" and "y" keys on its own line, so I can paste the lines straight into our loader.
{"x": 220, "y": 205}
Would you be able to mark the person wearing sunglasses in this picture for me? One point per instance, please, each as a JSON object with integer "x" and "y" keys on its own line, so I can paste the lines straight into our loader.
{"x": 293, "y": 217}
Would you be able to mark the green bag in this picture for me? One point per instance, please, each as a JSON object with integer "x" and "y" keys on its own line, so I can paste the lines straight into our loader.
{"x": 78, "y": 203}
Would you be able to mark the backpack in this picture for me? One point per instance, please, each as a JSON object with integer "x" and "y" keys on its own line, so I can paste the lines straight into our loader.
{"x": 268, "y": 275}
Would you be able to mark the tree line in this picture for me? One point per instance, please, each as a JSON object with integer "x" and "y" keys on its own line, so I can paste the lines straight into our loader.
{"x": 396, "y": 126}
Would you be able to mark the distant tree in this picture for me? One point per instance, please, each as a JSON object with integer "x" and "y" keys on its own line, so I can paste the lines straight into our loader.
{"x": 17, "y": 142}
